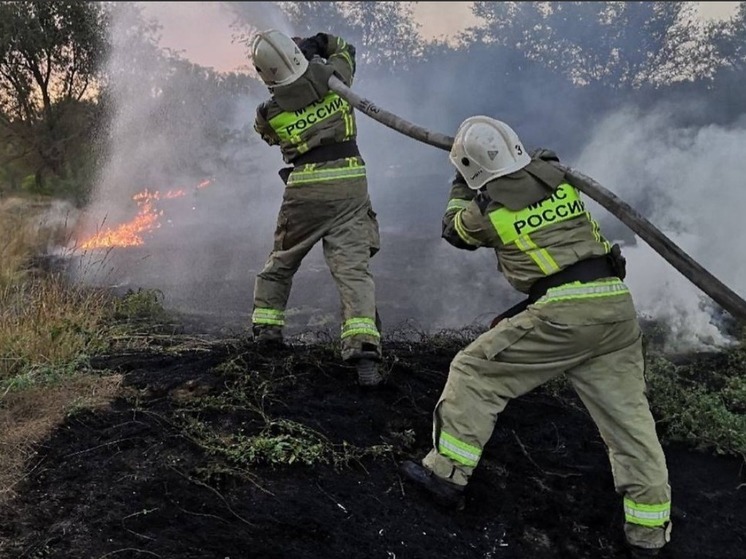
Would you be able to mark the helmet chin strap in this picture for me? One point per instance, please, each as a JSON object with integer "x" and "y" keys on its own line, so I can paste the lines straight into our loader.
{"x": 670, "y": 251}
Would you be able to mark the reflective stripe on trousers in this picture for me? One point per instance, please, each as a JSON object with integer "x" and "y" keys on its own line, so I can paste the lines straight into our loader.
{"x": 273, "y": 317}
{"x": 360, "y": 326}
{"x": 461, "y": 452}
{"x": 647, "y": 515}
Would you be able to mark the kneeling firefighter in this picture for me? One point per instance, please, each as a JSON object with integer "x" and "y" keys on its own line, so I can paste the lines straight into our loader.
{"x": 326, "y": 192}
{"x": 579, "y": 319}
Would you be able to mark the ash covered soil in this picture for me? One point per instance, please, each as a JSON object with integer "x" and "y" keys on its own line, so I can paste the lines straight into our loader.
{"x": 221, "y": 450}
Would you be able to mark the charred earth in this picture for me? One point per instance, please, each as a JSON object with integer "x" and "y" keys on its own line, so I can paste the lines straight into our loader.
{"x": 214, "y": 448}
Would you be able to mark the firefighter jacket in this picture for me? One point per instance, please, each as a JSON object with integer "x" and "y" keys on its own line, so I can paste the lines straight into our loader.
{"x": 534, "y": 219}
{"x": 305, "y": 115}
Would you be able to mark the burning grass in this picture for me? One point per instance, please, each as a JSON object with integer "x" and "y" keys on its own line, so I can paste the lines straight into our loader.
{"x": 44, "y": 322}
{"x": 48, "y": 329}
{"x": 146, "y": 220}
{"x": 243, "y": 412}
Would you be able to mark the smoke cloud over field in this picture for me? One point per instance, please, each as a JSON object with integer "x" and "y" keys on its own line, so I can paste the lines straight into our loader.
{"x": 688, "y": 182}
{"x": 174, "y": 129}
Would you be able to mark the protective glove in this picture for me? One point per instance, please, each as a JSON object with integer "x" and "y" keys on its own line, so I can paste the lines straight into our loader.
{"x": 544, "y": 154}
{"x": 482, "y": 200}
{"x": 618, "y": 261}
{"x": 313, "y": 46}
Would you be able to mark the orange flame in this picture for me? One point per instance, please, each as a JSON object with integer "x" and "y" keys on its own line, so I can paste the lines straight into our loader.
{"x": 131, "y": 233}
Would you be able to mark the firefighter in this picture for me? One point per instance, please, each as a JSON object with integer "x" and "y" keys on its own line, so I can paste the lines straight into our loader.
{"x": 579, "y": 319}
{"x": 326, "y": 192}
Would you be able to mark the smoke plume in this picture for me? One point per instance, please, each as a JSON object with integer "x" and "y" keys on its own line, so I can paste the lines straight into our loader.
{"x": 173, "y": 129}
{"x": 687, "y": 182}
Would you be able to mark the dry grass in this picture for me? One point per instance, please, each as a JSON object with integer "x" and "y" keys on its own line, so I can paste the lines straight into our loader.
{"x": 27, "y": 228}
{"x": 27, "y": 417}
{"x": 46, "y": 327}
{"x": 43, "y": 321}
{"x": 47, "y": 323}
{"x": 17, "y": 242}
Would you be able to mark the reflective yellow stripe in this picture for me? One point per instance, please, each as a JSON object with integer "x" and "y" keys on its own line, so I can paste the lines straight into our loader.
{"x": 596, "y": 229}
{"x": 341, "y": 44}
{"x": 349, "y": 125}
{"x": 461, "y": 452}
{"x": 306, "y": 176}
{"x": 360, "y": 326}
{"x": 461, "y": 230}
{"x": 563, "y": 204}
{"x": 540, "y": 256}
{"x": 578, "y": 290}
{"x": 647, "y": 515}
{"x": 456, "y": 204}
{"x": 274, "y": 317}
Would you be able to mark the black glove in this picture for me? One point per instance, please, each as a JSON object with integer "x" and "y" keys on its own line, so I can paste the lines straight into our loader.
{"x": 313, "y": 46}
{"x": 544, "y": 155}
{"x": 617, "y": 261}
{"x": 483, "y": 200}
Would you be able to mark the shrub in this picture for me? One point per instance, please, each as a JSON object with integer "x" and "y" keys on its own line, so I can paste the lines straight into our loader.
{"x": 701, "y": 402}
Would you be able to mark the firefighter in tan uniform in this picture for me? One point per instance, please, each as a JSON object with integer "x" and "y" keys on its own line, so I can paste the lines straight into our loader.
{"x": 326, "y": 193}
{"x": 579, "y": 319}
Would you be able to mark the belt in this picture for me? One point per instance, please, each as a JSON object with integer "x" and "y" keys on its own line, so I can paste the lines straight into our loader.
{"x": 328, "y": 152}
{"x": 586, "y": 270}
{"x": 590, "y": 269}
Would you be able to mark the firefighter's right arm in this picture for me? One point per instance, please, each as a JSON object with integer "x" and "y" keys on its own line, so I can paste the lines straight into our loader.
{"x": 464, "y": 226}
{"x": 341, "y": 55}
{"x": 262, "y": 127}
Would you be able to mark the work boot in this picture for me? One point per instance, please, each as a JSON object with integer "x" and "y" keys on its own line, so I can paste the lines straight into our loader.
{"x": 367, "y": 373}
{"x": 445, "y": 493}
{"x": 268, "y": 336}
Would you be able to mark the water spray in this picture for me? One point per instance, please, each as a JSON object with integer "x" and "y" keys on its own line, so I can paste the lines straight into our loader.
{"x": 672, "y": 253}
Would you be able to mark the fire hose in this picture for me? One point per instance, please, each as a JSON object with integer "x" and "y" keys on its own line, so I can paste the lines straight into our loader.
{"x": 665, "y": 247}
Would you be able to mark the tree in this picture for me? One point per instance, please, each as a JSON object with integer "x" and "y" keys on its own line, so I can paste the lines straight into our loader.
{"x": 622, "y": 44}
{"x": 729, "y": 36}
{"x": 384, "y": 33}
{"x": 50, "y": 56}
{"x": 197, "y": 121}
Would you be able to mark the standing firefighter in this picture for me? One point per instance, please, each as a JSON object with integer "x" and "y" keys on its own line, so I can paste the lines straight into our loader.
{"x": 579, "y": 319}
{"x": 326, "y": 195}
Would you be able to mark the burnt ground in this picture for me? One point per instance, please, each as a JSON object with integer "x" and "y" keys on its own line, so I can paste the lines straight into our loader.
{"x": 223, "y": 451}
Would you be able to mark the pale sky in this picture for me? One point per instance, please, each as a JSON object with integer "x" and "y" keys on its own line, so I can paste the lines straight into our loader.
{"x": 202, "y": 29}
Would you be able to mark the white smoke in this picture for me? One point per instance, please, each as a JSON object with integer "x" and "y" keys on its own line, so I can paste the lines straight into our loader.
{"x": 211, "y": 244}
{"x": 689, "y": 183}
{"x": 171, "y": 132}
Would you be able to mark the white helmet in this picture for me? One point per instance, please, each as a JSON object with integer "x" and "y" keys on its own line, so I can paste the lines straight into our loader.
{"x": 484, "y": 149}
{"x": 277, "y": 58}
